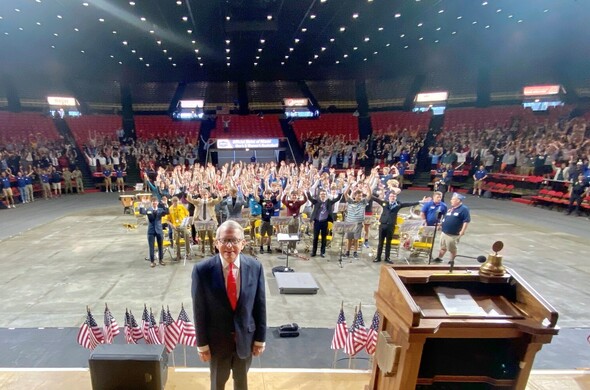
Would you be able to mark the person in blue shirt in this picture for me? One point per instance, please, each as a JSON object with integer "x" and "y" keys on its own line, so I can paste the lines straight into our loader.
{"x": 120, "y": 173}
{"x": 6, "y": 190}
{"x": 478, "y": 177}
{"x": 107, "y": 178}
{"x": 29, "y": 185}
{"x": 44, "y": 177}
{"x": 453, "y": 227}
{"x": 433, "y": 210}
{"x": 21, "y": 182}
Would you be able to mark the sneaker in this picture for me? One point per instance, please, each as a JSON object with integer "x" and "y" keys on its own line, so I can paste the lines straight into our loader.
{"x": 268, "y": 250}
{"x": 376, "y": 260}
{"x": 295, "y": 251}
{"x": 347, "y": 254}
{"x": 261, "y": 250}
{"x": 162, "y": 263}
{"x": 355, "y": 255}
{"x": 388, "y": 261}
{"x": 437, "y": 260}
{"x": 323, "y": 255}
{"x": 313, "y": 255}
{"x": 152, "y": 264}
{"x": 366, "y": 244}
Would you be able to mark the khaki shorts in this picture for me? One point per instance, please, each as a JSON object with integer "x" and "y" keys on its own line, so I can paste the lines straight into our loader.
{"x": 356, "y": 233}
{"x": 7, "y": 191}
{"x": 449, "y": 242}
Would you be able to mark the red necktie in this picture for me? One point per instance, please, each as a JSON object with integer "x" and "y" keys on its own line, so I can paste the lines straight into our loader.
{"x": 232, "y": 287}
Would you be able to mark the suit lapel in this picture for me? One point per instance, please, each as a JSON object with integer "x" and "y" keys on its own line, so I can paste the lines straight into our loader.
{"x": 244, "y": 276}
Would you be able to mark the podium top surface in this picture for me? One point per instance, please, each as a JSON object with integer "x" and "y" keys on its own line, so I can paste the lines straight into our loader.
{"x": 143, "y": 352}
{"x": 429, "y": 297}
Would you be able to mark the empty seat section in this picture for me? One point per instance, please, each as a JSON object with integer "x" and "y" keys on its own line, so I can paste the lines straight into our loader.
{"x": 331, "y": 124}
{"x": 20, "y": 126}
{"x": 97, "y": 127}
{"x": 337, "y": 93}
{"x": 248, "y": 126}
{"x": 269, "y": 95}
{"x": 162, "y": 126}
{"x": 397, "y": 121}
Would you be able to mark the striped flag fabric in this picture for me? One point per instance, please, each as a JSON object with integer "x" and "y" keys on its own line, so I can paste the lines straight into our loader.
{"x": 360, "y": 334}
{"x": 161, "y": 325}
{"x": 136, "y": 331}
{"x": 188, "y": 334}
{"x": 153, "y": 330}
{"x": 171, "y": 331}
{"x": 87, "y": 333}
{"x": 371, "y": 345}
{"x": 357, "y": 335}
{"x": 340, "y": 332}
{"x": 145, "y": 324}
{"x": 111, "y": 328}
{"x": 128, "y": 329}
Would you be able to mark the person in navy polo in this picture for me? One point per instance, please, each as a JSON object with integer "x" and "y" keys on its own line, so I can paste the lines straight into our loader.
{"x": 478, "y": 177}
{"x": 433, "y": 210}
{"x": 453, "y": 226}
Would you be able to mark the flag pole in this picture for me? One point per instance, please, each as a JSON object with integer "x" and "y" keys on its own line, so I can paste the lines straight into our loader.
{"x": 184, "y": 348}
{"x": 350, "y": 356}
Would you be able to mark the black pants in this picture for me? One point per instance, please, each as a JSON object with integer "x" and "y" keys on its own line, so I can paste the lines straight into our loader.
{"x": 152, "y": 238}
{"x": 385, "y": 233}
{"x": 577, "y": 199}
{"x": 319, "y": 227}
{"x": 224, "y": 362}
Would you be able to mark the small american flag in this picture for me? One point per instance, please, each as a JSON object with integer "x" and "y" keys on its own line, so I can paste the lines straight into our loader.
{"x": 154, "y": 337}
{"x": 357, "y": 335}
{"x": 136, "y": 331}
{"x": 87, "y": 335}
{"x": 111, "y": 328}
{"x": 171, "y": 331}
{"x": 188, "y": 335}
{"x": 340, "y": 332}
{"x": 372, "y": 334}
{"x": 145, "y": 324}
{"x": 128, "y": 329}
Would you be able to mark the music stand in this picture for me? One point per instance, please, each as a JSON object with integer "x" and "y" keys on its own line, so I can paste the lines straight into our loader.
{"x": 286, "y": 237}
{"x": 281, "y": 223}
{"x": 205, "y": 226}
{"x": 342, "y": 228}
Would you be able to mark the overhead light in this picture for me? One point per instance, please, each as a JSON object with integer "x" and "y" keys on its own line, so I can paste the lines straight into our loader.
{"x": 312, "y": 16}
{"x": 355, "y": 48}
{"x": 459, "y": 17}
{"x": 85, "y": 4}
{"x": 499, "y": 10}
{"x": 227, "y": 50}
{"x": 438, "y": 29}
{"x": 332, "y": 39}
{"x": 364, "y": 59}
{"x": 132, "y": 3}
{"x": 337, "y": 62}
{"x": 262, "y": 41}
{"x": 169, "y": 58}
{"x": 159, "y": 42}
{"x": 228, "y": 58}
{"x": 147, "y": 65}
{"x": 152, "y": 32}
{"x": 323, "y": 49}
{"x": 227, "y": 41}
{"x": 342, "y": 29}
{"x": 484, "y": 3}
{"x": 375, "y": 52}
{"x": 59, "y": 17}
{"x": 403, "y": 35}
{"x": 454, "y": 32}
{"x": 291, "y": 49}
{"x": 303, "y": 29}
{"x": 388, "y": 44}
{"x": 114, "y": 31}
{"x": 436, "y": 41}
{"x": 355, "y": 15}
{"x": 345, "y": 56}
{"x": 165, "y": 51}
{"x": 474, "y": 22}
{"x": 38, "y": 23}
{"x": 309, "y": 62}
{"x": 125, "y": 43}
{"x": 367, "y": 39}
{"x": 257, "y": 57}
{"x": 185, "y": 18}
{"x": 101, "y": 20}
{"x": 259, "y": 50}
{"x": 282, "y": 62}
{"x": 520, "y": 21}
{"x": 142, "y": 19}
{"x": 420, "y": 24}
{"x": 133, "y": 51}
{"x": 421, "y": 38}
{"x": 256, "y": 64}
{"x": 286, "y": 57}
{"x": 441, "y": 11}
{"x": 380, "y": 29}
{"x": 76, "y": 29}
{"x": 296, "y": 40}
{"x": 228, "y": 64}
{"x": 315, "y": 56}
{"x": 405, "y": 47}
{"x": 398, "y": 15}
{"x": 323, "y": 1}
{"x": 268, "y": 17}
{"x": 174, "y": 64}
{"x": 189, "y": 31}
{"x": 488, "y": 26}
{"x": 141, "y": 58}
{"x": 193, "y": 42}
{"x": 179, "y": 2}
{"x": 196, "y": 50}
{"x": 200, "y": 64}
{"x": 56, "y": 34}
{"x": 227, "y": 17}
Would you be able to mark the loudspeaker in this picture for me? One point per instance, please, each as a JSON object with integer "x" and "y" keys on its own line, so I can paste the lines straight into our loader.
{"x": 128, "y": 366}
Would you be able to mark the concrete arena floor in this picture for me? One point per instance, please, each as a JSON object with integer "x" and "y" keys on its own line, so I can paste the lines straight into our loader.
{"x": 59, "y": 255}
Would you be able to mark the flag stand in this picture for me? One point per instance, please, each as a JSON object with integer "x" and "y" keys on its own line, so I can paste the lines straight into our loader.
{"x": 184, "y": 348}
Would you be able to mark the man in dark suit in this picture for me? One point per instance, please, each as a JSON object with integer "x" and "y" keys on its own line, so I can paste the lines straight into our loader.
{"x": 229, "y": 303}
{"x": 154, "y": 213}
{"x": 387, "y": 223}
{"x": 321, "y": 214}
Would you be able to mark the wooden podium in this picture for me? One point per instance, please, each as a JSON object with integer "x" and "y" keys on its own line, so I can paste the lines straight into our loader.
{"x": 458, "y": 330}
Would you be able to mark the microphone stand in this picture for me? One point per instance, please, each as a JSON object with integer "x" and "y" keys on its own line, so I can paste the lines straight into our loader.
{"x": 434, "y": 237}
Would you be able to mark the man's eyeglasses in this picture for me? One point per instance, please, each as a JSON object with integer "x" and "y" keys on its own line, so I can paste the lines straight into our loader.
{"x": 231, "y": 241}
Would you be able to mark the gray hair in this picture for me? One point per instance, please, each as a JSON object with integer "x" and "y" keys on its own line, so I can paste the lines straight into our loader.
{"x": 230, "y": 225}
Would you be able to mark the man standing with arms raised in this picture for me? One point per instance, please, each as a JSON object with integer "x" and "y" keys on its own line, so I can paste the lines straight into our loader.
{"x": 229, "y": 304}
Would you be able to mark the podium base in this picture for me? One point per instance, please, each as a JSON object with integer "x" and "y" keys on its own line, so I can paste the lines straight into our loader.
{"x": 282, "y": 268}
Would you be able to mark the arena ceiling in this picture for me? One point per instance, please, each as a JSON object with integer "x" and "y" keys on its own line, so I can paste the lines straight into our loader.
{"x": 176, "y": 40}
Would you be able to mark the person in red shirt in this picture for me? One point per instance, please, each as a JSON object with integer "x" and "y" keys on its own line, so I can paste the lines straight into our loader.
{"x": 293, "y": 199}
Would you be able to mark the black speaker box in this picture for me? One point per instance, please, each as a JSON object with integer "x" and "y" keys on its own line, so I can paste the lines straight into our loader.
{"x": 128, "y": 366}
